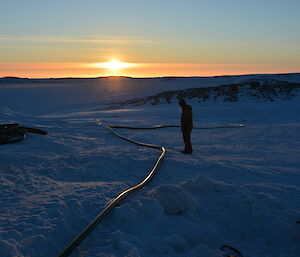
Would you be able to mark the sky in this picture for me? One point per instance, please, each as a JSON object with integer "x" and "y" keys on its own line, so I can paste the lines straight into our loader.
{"x": 71, "y": 38}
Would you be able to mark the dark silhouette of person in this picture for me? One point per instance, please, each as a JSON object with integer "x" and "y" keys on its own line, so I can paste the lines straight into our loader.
{"x": 186, "y": 126}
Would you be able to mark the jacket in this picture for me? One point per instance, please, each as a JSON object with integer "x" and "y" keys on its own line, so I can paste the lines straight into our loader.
{"x": 186, "y": 118}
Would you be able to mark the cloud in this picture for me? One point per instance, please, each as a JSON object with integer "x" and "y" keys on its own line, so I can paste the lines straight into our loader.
{"x": 94, "y": 39}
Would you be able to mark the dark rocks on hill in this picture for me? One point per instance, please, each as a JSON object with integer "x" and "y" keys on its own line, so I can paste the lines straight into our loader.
{"x": 262, "y": 90}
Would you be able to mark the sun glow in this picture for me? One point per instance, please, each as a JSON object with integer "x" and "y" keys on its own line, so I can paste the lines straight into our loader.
{"x": 114, "y": 65}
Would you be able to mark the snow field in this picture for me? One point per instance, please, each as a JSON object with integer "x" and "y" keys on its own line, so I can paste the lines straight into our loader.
{"x": 225, "y": 193}
{"x": 240, "y": 187}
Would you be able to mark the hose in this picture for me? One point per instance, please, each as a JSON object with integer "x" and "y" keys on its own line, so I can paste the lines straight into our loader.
{"x": 176, "y": 126}
{"x": 70, "y": 248}
{"x": 224, "y": 247}
{"x": 84, "y": 233}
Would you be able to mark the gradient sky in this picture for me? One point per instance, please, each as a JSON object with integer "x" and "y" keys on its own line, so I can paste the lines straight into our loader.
{"x": 61, "y": 38}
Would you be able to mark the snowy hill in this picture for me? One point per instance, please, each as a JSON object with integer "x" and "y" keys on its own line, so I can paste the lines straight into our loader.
{"x": 240, "y": 187}
{"x": 40, "y": 96}
{"x": 266, "y": 90}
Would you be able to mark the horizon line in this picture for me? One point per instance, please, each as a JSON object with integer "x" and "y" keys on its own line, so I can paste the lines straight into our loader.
{"x": 146, "y": 77}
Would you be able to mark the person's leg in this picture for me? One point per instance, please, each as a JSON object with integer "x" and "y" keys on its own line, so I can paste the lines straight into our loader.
{"x": 184, "y": 135}
{"x": 189, "y": 148}
{"x": 187, "y": 141}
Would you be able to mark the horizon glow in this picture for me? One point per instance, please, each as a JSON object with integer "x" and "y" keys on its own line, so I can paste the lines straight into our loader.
{"x": 140, "y": 70}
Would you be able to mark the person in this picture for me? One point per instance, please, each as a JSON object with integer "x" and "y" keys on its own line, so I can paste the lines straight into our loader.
{"x": 186, "y": 126}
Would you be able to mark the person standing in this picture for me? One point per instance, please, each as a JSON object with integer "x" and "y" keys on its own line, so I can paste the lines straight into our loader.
{"x": 186, "y": 126}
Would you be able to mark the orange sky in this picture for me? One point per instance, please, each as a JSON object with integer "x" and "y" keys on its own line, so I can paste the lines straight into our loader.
{"x": 55, "y": 70}
{"x": 40, "y": 39}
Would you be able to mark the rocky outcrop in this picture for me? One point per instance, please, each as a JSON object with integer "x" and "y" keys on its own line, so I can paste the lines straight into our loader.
{"x": 263, "y": 90}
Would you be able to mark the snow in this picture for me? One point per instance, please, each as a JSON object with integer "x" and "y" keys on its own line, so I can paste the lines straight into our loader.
{"x": 172, "y": 198}
{"x": 240, "y": 187}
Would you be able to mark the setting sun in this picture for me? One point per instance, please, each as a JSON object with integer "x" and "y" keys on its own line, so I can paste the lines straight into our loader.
{"x": 114, "y": 65}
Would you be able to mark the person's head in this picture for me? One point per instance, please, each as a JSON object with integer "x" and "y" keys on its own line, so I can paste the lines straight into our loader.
{"x": 182, "y": 103}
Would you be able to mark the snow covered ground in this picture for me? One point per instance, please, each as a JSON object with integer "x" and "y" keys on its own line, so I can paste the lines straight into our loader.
{"x": 240, "y": 187}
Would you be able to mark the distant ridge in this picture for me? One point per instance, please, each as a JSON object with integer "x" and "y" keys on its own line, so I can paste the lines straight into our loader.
{"x": 15, "y": 78}
{"x": 10, "y": 78}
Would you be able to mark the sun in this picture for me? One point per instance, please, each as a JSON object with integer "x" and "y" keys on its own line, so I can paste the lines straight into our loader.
{"x": 114, "y": 65}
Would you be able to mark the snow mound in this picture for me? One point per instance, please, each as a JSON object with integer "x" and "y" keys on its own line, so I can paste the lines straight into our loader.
{"x": 148, "y": 208}
{"x": 124, "y": 213}
{"x": 204, "y": 185}
{"x": 177, "y": 242}
{"x": 173, "y": 198}
{"x": 119, "y": 243}
{"x": 203, "y": 250}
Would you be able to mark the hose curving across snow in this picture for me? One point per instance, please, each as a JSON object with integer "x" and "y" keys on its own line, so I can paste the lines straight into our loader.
{"x": 70, "y": 248}
{"x": 177, "y": 126}
{"x": 232, "y": 249}
{"x": 84, "y": 233}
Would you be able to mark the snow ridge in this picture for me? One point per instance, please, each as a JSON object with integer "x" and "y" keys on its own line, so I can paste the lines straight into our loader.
{"x": 266, "y": 90}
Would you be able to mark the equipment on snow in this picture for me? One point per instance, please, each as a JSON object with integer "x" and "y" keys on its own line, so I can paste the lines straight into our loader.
{"x": 13, "y": 133}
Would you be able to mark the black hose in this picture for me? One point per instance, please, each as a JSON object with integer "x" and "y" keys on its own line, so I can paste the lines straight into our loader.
{"x": 84, "y": 233}
{"x": 176, "y": 126}
{"x": 224, "y": 247}
{"x": 33, "y": 130}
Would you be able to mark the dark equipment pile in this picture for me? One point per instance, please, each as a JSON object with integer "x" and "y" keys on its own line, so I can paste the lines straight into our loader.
{"x": 13, "y": 132}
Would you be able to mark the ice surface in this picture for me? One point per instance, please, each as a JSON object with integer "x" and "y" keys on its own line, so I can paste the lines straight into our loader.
{"x": 240, "y": 187}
